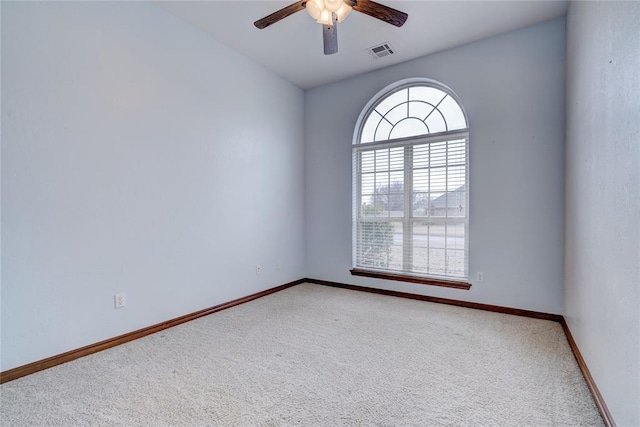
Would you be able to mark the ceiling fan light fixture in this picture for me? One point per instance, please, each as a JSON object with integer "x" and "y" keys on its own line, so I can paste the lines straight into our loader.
{"x": 325, "y": 18}
{"x": 315, "y": 8}
{"x": 333, "y": 5}
{"x": 343, "y": 12}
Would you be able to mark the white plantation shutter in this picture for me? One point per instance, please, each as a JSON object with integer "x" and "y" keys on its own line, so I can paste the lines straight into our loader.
{"x": 410, "y": 181}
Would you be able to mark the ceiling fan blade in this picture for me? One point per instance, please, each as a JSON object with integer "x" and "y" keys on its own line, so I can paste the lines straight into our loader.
{"x": 330, "y": 38}
{"x": 380, "y": 11}
{"x": 280, "y": 14}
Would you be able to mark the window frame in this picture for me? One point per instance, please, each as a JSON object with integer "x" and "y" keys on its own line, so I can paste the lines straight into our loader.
{"x": 408, "y": 216}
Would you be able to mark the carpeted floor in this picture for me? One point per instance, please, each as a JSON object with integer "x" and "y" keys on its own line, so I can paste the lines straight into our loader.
{"x": 314, "y": 355}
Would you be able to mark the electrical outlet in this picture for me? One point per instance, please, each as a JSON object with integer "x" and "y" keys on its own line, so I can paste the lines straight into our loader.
{"x": 279, "y": 264}
{"x": 258, "y": 269}
{"x": 480, "y": 277}
{"x": 119, "y": 301}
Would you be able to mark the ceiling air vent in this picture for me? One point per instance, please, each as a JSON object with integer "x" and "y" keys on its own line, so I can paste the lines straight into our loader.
{"x": 381, "y": 51}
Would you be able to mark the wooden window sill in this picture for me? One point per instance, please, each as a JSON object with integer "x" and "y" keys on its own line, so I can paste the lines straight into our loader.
{"x": 411, "y": 279}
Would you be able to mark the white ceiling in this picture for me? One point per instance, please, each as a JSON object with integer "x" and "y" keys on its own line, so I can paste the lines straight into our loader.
{"x": 292, "y": 48}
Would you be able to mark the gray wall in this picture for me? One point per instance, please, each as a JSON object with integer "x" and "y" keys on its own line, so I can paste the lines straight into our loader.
{"x": 138, "y": 156}
{"x": 512, "y": 87}
{"x": 602, "y": 231}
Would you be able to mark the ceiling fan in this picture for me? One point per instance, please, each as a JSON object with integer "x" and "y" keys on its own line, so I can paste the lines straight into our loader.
{"x": 330, "y": 12}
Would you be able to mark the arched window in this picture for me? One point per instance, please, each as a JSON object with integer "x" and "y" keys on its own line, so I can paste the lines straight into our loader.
{"x": 410, "y": 181}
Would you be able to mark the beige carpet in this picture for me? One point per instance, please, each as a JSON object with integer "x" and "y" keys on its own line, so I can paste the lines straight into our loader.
{"x": 313, "y": 355}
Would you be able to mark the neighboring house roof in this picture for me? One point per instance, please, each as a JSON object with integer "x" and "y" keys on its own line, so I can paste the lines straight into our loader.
{"x": 450, "y": 199}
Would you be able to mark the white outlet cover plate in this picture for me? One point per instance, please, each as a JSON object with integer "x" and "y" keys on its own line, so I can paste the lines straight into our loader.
{"x": 119, "y": 300}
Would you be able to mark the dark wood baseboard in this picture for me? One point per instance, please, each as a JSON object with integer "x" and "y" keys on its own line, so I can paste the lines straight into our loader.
{"x": 475, "y": 305}
{"x": 597, "y": 397}
{"x": 21, "y": 371}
